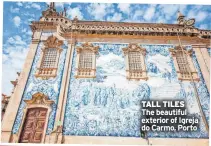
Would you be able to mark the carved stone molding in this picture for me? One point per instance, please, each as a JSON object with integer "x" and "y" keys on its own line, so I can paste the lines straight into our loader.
{"x": 51, "y": 11}
{"x": 136, "y": 74}
{"x": 72, "y": 41}
{"x": 134, "y": 47}
{"x": 199, "y": 46}
{"x": 174, "y": 50}
{"x": 111, "y": 28}
{"x": 89, "y": 47}
{"x": 182, "y": 21}
{"x": 51, "y": 19}
{"x": 189, "y": 64}
{"x": 51, "y": 43}
{"x": 39, "y": 98}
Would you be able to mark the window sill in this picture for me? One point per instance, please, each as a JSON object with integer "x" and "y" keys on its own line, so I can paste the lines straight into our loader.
{"x": 80, "y": 76}
{"x": 138, "y": 78}
{"x": 189, "y": 79}
{"x": 45, "y": 74}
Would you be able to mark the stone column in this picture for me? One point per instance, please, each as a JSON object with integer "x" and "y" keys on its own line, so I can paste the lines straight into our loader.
{"x": 15, "y": 100}
{"x": 204, "y": 62}
{"x": 63, "y": 93}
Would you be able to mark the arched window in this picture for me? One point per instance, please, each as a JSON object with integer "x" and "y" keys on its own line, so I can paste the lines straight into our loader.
{"x": 86, "y": 61}
{"x": 135, "y": 64}
{"x": 49, "y": 58}
{"x": 184, "y": 64}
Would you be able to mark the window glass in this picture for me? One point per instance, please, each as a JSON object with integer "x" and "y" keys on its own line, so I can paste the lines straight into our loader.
{"x": 85, "y": 60}
{"x": 49, "y": 58}
{"x": 183, "y": 64}
{"x": 134, "y": 61}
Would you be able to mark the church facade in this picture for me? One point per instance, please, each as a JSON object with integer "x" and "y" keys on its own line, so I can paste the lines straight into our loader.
{"x": 82, "y": 81}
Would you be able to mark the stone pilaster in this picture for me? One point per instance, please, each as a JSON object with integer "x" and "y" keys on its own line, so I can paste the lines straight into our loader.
{"x": 204, "y": 62}
{"x": 63, "y": 92}
{"x": 206, "y": 57}
{"x": 12, "y": 109}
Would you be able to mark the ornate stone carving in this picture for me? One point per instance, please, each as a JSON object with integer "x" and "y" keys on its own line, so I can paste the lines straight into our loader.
{"x": 38, "y": 101}
{"x": 75, "y": 19}
{"x": 52, "y": 19}
{"x": 89, "y": 54}
{"x": 89, "y": 47}
{"x": 46, "y": 72}
{"x": 187, "y": 23}
{"x": 39, "y": 98}
{"x": 187, "y": 65}
{"x": 134, "y": 47}
{"x": 139, "y": 53}
{"x": 180, "y": 18}
{"x": 51, "y": 11}
{"x": 178, "y": 48}
{"x": 53, "y": 42}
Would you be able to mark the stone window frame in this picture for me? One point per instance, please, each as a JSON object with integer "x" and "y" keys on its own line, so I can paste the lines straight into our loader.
{"x": 188, "y": 53}
{"x": 135, "y": 74}
{"x": 52, "y": 42}
{"x": 85, "y": 72}
{"x": 38, "y": 100}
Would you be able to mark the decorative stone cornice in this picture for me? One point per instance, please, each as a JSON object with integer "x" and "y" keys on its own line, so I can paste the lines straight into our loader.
{"x": 40, "y": 25}
{"x": 199, "y": 46}
{"x": 39, "y": 98}
{"x": 53, "y": 20}
{"x": 67, "y": 26}
{"x": 122, "y": 28}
